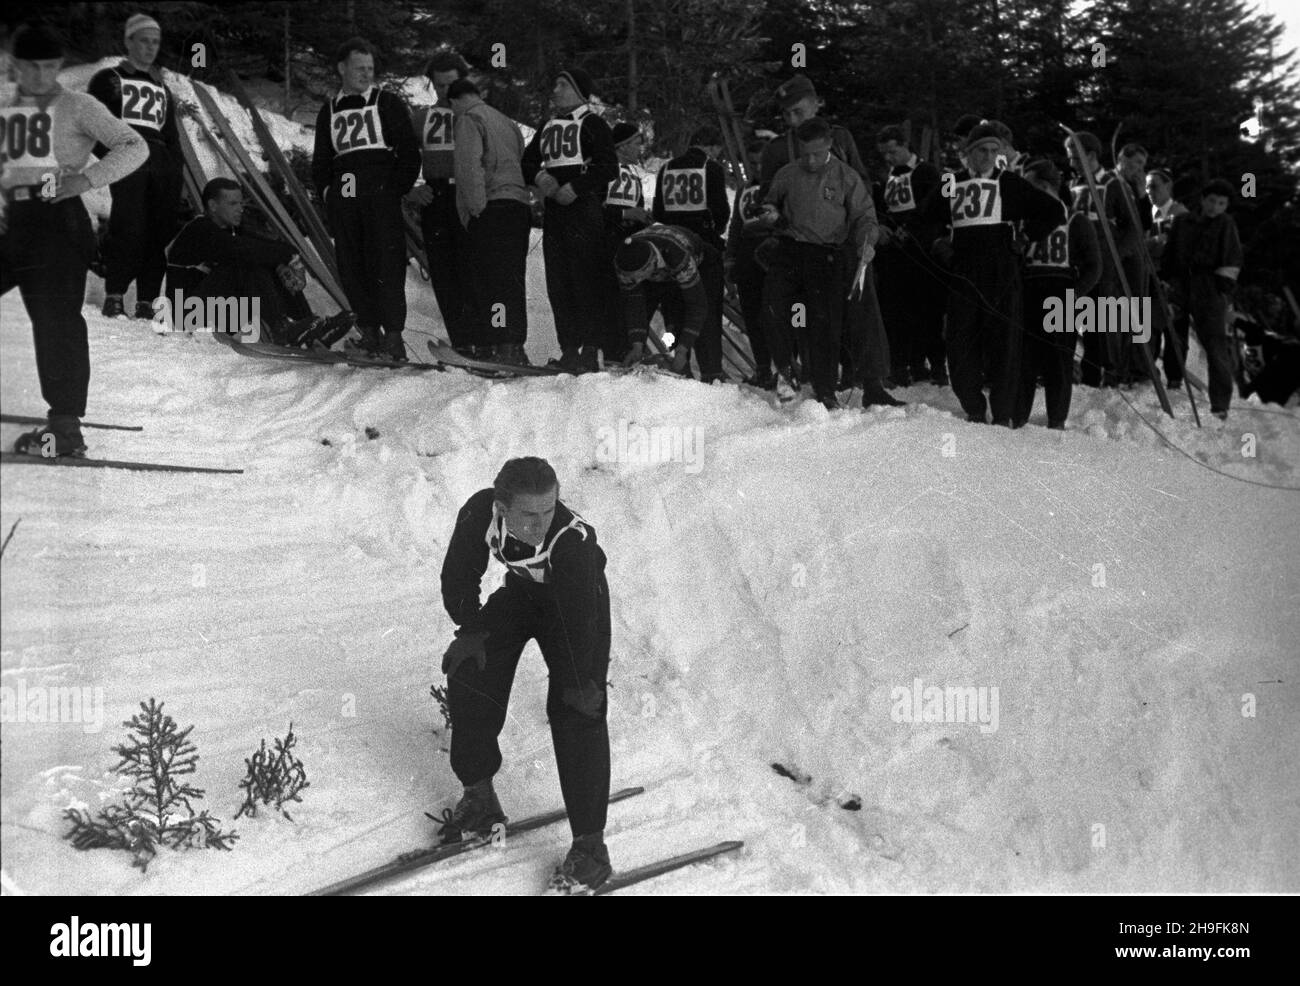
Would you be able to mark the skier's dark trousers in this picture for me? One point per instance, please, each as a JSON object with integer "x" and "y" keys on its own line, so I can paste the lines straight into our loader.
{"x": 554, "y": 593}
{"x": 46, "y": 243}
{"x": 571, "y": 160}
{"x": 366, "y": 158}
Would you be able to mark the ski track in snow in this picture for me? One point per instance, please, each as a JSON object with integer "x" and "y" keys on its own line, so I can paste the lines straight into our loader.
{"x": 764, "y": 608}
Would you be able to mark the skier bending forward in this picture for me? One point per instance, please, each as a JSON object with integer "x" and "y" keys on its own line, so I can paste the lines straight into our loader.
{"x": 554, "y": 592}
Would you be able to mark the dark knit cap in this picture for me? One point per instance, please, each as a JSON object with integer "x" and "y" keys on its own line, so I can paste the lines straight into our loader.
{"x": 580, "y": 81}
{"x": 980, "y": 133}
{"x": 37, "y": 42}
{"x": 625, "y": 131}
{"x": 634, "y": 256}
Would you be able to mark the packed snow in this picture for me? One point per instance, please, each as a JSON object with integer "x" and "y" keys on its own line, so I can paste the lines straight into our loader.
{"x": 787, "y": 584}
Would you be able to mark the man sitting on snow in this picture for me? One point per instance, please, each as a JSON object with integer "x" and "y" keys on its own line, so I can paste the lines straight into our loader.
{"x": 212, "y": 258}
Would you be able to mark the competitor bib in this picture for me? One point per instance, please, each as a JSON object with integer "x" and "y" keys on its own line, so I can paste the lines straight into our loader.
{"x": 144, "y": 103}
{"x": 976, "y": 202}
{"x": 438, "y": 143}
{"x": 357, "y": 129}
{"x": 683, "y": 189}
{"x": 538, "y": 567}
{"x": 625, "y": 190}
{"x": 749, "y": 205}
{"x": 898, "y": 193}
{"x": 561, "y": 143}
{"x": 1053, "y": 250}
{"x": 27, "y": 142}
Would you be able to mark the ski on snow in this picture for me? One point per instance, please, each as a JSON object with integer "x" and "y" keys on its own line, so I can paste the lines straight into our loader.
{"x": 449, "y": 357}
{"x": 24, "y": 419}
{"x": 420, "y": 858}
{"x": 649, "y": 871}
{"x": 14, "y": 458}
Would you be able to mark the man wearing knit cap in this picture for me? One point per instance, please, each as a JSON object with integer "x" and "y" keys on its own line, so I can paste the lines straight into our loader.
{"x": 571, "y": 161}
{"x": 46, "y": 243}
{"x": 143, "y": 219}
{"x": 981, "y": 204}
{"x": 660, "y": 266}
{"x": 625, "y": 213}
{"x": 366, "y": 158}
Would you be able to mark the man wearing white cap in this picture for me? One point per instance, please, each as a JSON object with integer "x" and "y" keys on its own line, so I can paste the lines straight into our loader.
{"x": 143, "y": 219}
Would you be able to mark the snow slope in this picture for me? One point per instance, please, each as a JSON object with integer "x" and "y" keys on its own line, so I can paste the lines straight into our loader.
{"x": 768, "y": 598}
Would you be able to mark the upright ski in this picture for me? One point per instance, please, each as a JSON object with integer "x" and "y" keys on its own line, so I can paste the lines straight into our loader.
{"x": 420, "y": 858}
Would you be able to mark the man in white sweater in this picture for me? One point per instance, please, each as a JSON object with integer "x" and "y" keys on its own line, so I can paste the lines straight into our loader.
{"x": 46, "y": 243}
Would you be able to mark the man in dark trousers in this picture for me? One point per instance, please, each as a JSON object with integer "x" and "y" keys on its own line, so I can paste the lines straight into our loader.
{"x": 1201, "y": 264}
{"x": 912, "y": 292}
{"x": 555, "y": 593}
{"x": 625, "y": 213}
{"x": 571, "y": 161}
{"x": 824, "y": 221}
{"x": 659, "y": 267}
{"x": 143, "y": 218}
{"x": 691, "y": 193}
{"x": 366, "y": 158}
{"x": 742, "y": 270}
{"x": 450, "y": 272}
{"x": 982, "y": 203}
{"x": 1066, "y": 259}
{"x": 492, "y": 203}
{"x": 46, "y": 244}
{"x": 212, "y": 257}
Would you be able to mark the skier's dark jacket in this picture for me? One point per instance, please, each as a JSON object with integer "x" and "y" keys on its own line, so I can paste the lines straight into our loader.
{"x": 106, "y": 86}
{"x": 391, "y": 169}
{"x": 566, "y": 580}
{"x": 203, "y": 246}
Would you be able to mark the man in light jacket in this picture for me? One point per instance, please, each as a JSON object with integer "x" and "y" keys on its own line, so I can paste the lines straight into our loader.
{"x": 492, "y": 202}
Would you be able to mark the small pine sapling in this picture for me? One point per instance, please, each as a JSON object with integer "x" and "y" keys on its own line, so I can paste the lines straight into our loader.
{"x": 274, "y": 778}
{"x": 158, "y": 809}
{"x": 440, "y": 695}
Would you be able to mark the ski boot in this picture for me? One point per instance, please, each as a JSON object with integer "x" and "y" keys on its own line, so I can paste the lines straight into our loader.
{"x": 113, "y": 306}
{"x": 874, "y": 394}
{"x": 296, "y": 332}
{"x": 585, "y": 868}
{"x": 511, "y": 353}
{"x": 332, "y": 329}
{"x": 475, "y": 815}
{"x": 60, "y": 438}
{"x": 144, "y": 310}
{"x": 393, "y": 347}
{"x": 369, "y": 341}
{"x": 787, "y": 385}
{"x": 568, "y": 361}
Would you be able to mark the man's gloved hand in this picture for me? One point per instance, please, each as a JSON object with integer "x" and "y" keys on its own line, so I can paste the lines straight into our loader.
{"x": 466, "y": 644}
{"x": 420, "y": 196}
{"x": 589, "y": 699}
{"x": 565, "y": 195}
{"x": 293, "y": 275}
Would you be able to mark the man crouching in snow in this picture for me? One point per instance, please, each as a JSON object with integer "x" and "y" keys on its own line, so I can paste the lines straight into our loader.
{"x": 555, "y": 592}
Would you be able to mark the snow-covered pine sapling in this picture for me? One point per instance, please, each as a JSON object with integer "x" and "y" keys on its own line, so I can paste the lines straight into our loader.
{"x": 440, "y": 694}
{"x": 158, "y": 809}
{"x": 274, "y": 778}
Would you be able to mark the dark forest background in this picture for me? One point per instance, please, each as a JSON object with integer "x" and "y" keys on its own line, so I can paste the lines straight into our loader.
{"x": 1179, "y": 76}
